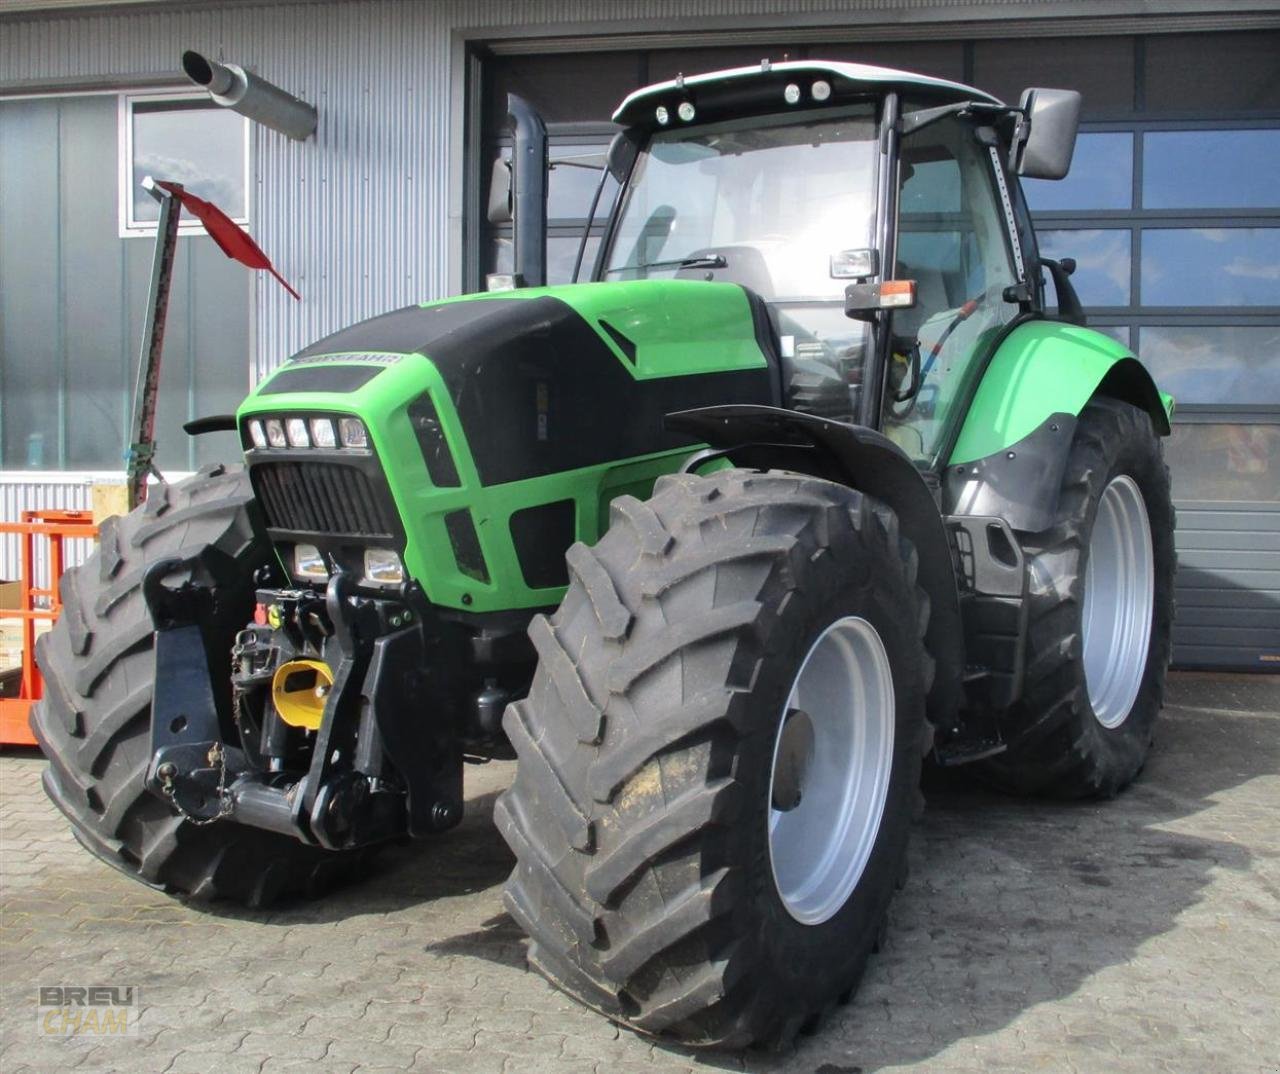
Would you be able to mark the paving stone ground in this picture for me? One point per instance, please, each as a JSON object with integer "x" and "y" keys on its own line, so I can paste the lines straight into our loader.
{"x": 1131, "y": 936}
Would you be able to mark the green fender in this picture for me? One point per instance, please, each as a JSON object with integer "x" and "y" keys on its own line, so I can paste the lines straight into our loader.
{"x": 1044, "y": 368}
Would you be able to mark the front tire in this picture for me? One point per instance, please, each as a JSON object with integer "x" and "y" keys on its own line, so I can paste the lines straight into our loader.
{"x": 94, "y": 722}
{"x": 1100, "y": 616}
{"x": 677, "y": 718}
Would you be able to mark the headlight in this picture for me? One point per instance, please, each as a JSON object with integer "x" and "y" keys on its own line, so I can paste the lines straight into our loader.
{"x": 382, "y": 567}
{"x": 275, "y": 432}
{"x": 322, "y": 434}
{"x": 257, "y": 435}
{"x": 353, "y": 433}
{"x": 297, "y": 430}
{"x": 309, "y": 563}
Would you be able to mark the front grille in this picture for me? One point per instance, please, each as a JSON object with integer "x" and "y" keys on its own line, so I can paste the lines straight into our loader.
{"x": 318, "y": 497}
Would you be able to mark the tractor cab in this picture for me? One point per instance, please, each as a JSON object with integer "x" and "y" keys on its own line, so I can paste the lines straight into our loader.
{"x": 814, "y": 185}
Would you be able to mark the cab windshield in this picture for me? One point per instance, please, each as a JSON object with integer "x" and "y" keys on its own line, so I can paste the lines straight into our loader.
{"x": 773, "y": 203}
{"x": 773, "y": 198}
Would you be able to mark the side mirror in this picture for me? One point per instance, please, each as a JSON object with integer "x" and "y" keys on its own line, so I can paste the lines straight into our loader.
{"x": 1052, "y": 118}
{"x": 499, "y": 211}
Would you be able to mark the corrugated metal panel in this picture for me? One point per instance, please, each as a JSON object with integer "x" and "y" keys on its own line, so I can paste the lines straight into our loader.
{"x": 67, "y": 492}
{"x": 26, "y": 492}
{"x": 1228, "y": 586}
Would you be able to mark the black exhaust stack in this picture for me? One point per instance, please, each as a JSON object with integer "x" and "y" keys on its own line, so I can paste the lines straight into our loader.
{"x": 529, "y": 190}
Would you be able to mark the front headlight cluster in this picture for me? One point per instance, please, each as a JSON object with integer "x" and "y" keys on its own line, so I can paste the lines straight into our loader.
{"x": 382, "y": 566}
{"x": 308, "y": 432}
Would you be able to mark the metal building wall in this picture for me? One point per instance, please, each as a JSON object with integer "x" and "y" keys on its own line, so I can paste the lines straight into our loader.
{"x": 73, "y": 493}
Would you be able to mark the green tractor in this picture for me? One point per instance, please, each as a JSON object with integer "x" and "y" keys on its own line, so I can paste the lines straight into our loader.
{"x": 810, "y": 484}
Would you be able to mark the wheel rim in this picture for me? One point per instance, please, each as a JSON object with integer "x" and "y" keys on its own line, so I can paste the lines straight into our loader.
{"x": 1119, "y": 595}
{"x": 831, "y": 767}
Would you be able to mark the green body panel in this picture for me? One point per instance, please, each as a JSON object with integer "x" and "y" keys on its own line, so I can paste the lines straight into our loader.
{"x": 1041, "y": 368}
{"x": 677, "y": 328}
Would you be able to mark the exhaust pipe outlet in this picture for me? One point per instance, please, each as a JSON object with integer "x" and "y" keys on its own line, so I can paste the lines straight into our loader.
{"x": 233, "y": 87}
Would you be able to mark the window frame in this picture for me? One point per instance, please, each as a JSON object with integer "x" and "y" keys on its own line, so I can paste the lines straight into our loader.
{"x": 128, "y": 226}
{"x": 1137, "y": 219}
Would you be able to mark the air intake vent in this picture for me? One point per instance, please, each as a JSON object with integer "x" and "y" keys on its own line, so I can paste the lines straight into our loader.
{"x": 435, "y": 452}
{"x": 321, "y": 497}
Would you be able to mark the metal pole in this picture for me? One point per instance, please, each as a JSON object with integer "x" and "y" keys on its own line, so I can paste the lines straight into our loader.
{"x": 142, "y": 444}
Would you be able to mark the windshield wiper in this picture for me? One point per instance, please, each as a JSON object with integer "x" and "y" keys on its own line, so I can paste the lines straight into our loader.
{"x": 711, "y": 261}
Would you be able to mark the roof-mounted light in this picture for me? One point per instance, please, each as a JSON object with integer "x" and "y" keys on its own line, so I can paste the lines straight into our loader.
{"x": 662, "y": 115}
{"x": 686, "y": 111}
{"x": 791, "y": 94}
{"x": 821, "y": 90}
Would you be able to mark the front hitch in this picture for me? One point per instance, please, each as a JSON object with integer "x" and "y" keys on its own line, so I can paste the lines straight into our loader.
{"x": 349, "y": 796}
{"x": 191, "y": 765}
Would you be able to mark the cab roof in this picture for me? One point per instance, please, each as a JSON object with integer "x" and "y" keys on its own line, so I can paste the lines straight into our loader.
{"x": 751, "y": 87}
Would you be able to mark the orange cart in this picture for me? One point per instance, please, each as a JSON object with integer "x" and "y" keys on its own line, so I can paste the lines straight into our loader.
{"x": 37, "y": 603}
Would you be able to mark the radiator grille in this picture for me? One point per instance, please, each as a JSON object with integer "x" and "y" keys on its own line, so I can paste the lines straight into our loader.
{"x": 317, "y": 497}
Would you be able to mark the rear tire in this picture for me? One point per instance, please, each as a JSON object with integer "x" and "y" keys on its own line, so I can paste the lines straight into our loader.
{"x": 649, "y": 764}
{"x": 1086, "y": 720}
{"x": 94, "y": 723}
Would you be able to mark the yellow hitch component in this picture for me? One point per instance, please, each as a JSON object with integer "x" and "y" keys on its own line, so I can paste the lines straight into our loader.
{"x": 299, "y": 689}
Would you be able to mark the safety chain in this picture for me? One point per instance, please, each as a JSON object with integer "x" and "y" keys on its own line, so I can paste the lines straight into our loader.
{"x": 217, "y": 756}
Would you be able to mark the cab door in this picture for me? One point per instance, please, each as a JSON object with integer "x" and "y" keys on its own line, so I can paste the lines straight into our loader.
{"x": 953, "y": 240}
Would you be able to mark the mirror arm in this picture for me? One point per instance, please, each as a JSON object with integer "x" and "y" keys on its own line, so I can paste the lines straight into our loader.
{"x": 1018, "y": 138}
{"x": 1069, "y": 307}
{"x": 923, "y": 117}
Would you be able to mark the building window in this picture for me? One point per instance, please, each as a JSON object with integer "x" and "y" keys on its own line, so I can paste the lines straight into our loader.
{"x": 189, "y": 140}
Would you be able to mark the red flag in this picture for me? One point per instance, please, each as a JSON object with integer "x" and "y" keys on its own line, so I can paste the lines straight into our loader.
{"x": 231, "y": 239}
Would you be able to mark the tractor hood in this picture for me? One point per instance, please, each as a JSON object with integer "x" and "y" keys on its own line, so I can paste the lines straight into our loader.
{"x": 549, "y": 379}
{"x": 653, "y": 327}
{"x": 492, "y": 429}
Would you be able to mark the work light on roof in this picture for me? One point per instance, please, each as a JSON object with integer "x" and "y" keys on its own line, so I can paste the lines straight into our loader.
{"x": 821, "y": 90}
{"x": 662, "y": 115}
{"x": 686, "y": 111}
{"x": 791, "y": 94}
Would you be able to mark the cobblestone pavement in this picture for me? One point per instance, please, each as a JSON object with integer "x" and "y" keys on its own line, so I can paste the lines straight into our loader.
{"x": 1137, "y": 935}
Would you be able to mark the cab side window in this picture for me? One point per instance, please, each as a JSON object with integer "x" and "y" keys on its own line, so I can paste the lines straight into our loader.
{"x": 952, "y": 242}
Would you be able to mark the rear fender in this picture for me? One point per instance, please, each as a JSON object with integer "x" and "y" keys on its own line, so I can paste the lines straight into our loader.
{"x": 1009, "y": 458}
{"x": 763, "y": 436}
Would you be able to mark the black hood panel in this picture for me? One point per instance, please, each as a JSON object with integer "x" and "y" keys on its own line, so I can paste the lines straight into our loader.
{"x": 537, "y": 388}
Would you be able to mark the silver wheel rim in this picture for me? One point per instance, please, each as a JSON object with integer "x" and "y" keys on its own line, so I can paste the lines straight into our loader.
{"x": 1119, "y": 595}
{"x": 819, "y": 846}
